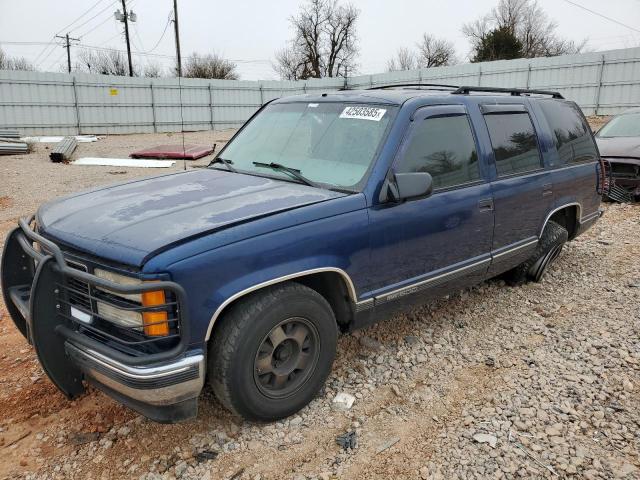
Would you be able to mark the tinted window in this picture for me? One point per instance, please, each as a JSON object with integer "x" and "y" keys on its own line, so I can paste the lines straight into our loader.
{"x": 570, "y": 133}
{"x": 514, "y": 142}
{"x": 445, "y": 148}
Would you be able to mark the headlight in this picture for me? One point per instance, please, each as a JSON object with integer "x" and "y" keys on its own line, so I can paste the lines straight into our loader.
{"x": 121, "y": 317}
{"x": 155, "y": 324}
{"x": 120, "y": 280}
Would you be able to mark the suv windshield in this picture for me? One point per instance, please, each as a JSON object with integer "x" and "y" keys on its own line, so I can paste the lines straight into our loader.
{"x": 327, "y": 143}
{"x": 627, "y": 125}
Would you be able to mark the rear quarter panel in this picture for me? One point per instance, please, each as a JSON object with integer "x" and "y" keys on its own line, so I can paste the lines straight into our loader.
{"x": 572, "y": 183}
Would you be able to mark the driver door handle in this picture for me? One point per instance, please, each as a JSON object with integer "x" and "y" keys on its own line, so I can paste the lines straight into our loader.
{"x": 485, "y": 205}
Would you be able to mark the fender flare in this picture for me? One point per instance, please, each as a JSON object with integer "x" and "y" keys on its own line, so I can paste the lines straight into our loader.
{"x": 345, "y": 276}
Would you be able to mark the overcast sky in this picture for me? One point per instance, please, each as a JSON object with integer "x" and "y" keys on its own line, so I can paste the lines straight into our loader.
{"x": 250, "y": 31}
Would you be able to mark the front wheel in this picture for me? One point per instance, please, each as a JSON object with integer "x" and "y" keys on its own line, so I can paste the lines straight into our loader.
{"x": 549, "y": 247}
{"x": 273, "y": 352}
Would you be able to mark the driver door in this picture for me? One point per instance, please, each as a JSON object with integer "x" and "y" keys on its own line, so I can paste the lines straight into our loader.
{"x": 425, "y": 247}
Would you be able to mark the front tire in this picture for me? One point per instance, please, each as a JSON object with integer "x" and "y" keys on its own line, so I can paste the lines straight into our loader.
{"x": 273, "y": 352}
{"x": 549, "y": 247}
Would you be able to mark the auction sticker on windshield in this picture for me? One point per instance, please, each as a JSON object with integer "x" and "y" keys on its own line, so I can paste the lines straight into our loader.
{"x": 364, "y": 113}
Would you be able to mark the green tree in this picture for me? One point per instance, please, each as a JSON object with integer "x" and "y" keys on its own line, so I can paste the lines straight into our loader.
{"x": 499, "y": 44}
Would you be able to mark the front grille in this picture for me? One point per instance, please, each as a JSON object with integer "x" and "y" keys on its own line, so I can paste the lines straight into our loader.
{"x": 79, "y": 291}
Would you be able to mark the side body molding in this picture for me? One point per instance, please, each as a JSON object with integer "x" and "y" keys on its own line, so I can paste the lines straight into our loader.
{"x": 345, "y": 276}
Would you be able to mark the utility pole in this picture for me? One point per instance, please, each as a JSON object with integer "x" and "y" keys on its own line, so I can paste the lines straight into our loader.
{"x": 67, "y": 45}
{"x": 175, "y": 24}
{"x": 125, "y": 17}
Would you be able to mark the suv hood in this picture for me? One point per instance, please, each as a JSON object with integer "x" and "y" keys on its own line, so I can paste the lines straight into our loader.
{"x": 130, "y": 222}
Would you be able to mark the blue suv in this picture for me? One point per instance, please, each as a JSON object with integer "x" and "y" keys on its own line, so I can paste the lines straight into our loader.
{"x": 323, "y": 214}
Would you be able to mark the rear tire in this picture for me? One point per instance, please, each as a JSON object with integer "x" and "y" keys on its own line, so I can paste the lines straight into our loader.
{"x": 549, "y": 247}
{"x": 273, "y": 352}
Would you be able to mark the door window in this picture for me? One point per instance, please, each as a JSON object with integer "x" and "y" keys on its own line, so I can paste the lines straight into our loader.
{"x": 445, "y": 148}
{"x": 571, "y": 135}
{"x": 514, "y": 142}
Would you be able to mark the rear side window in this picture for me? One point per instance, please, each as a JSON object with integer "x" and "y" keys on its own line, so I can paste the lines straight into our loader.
{"x": 445, "y": 148}
{"x": 514, "y": 142}
{"x": 571, "y": 135}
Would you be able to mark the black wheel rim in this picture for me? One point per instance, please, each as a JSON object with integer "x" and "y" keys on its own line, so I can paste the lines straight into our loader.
{"x": 540, "y": 267}
{"x": 286, "y": 357}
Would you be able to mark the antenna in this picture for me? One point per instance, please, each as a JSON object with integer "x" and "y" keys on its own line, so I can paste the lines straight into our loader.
{"x": 184, "y": 159}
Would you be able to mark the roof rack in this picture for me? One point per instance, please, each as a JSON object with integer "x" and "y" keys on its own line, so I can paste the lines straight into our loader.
{"x": 393, "y": 85}
{"x": 516, "y": 92}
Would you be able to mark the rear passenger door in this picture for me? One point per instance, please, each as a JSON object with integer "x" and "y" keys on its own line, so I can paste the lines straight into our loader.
{"x": 522, "y": 190}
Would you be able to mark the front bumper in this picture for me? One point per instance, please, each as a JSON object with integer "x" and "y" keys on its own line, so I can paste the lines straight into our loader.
{"x": 163, "y": 385}
{"x": 165, "y": 393}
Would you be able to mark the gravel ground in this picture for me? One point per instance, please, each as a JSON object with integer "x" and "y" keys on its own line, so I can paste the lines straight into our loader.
{"x": 539, "y": 381}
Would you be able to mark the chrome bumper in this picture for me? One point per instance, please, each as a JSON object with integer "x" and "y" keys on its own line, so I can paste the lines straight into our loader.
{"x": 159, "y": 385}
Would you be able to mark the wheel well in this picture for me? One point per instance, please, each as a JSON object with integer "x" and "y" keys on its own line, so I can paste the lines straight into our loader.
{"x": 331, "y": 285}
{"x": 568, "y": 218}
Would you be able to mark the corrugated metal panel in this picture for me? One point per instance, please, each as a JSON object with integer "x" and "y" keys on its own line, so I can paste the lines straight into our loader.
{"x": 55, "y": 103}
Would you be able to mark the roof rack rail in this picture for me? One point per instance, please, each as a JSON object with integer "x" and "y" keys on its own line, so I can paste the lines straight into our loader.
{"x": 393, "y": 85}
{"x": 516, "y": 92}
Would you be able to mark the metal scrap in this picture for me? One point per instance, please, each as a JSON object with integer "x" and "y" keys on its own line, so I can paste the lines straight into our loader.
{"x": 9, "y": 134}
{"x": 12, "y": 148}
{"x": 63, "y": 150}
{"x": 348, "y": 440}
{"x": 124, "y": 162}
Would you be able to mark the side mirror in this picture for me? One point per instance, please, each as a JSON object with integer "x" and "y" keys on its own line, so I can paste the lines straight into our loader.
{"x": 413, "y": 185}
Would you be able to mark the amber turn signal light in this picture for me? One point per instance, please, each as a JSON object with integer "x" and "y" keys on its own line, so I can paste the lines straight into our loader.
{"x": 156, "y": 324}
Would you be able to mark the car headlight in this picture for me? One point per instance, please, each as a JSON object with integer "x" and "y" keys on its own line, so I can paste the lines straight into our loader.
{"x": 155, "y": 324}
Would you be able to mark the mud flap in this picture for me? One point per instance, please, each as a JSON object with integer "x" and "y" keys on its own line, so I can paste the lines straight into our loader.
{"x": 17, "y": 270}
{"x": 49, "y": 345}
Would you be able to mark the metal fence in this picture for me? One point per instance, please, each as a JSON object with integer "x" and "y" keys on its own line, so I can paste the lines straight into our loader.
{"x": 38, "y": 103}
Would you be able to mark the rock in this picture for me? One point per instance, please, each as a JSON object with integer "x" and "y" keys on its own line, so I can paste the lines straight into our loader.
{"x": 625, "y": 470}
{"x": 343, "y": 401}
{"x": 124, "y": 431}
{"x": 628, "y": 386}
{"x": 80, "y": 438}
{"x": 553, "y": 430}
{"x": 396, "y": 390}
{"x": 297, "y": 420}
{"x": 180, "y": 469}
{"x": 387, "y": 444}
{"x": 492, "y": 440}
{"x": 411, "y": 340}
{"x": 370, "y": 343}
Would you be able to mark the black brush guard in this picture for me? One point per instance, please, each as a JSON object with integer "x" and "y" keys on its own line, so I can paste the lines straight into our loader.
{"x": 35, "y": 286}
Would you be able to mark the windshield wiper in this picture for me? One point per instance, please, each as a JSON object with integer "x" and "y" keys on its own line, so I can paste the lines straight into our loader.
{"x": 292, "y": 171}
{"x": 227, "y": 163}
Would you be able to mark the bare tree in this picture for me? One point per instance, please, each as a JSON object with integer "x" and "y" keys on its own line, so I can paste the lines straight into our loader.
{"x": 435, "y": 52}
{"x": 209, "y": 66}
{"x": 15, "y": 63}
{"x": 528, "y": 22}
{"x": 153, "y": 70}
{"x": 324, "y": 42}
{"x": 404, "y": 59}
{"x": 102, "y": 62}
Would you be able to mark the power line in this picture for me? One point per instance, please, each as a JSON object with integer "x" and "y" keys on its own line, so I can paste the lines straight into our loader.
{"x": 82, "y": 15}
{"x": 96, "y": 15}
{"x": 601, "y": 15}
{"x": 161, "y": 36}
